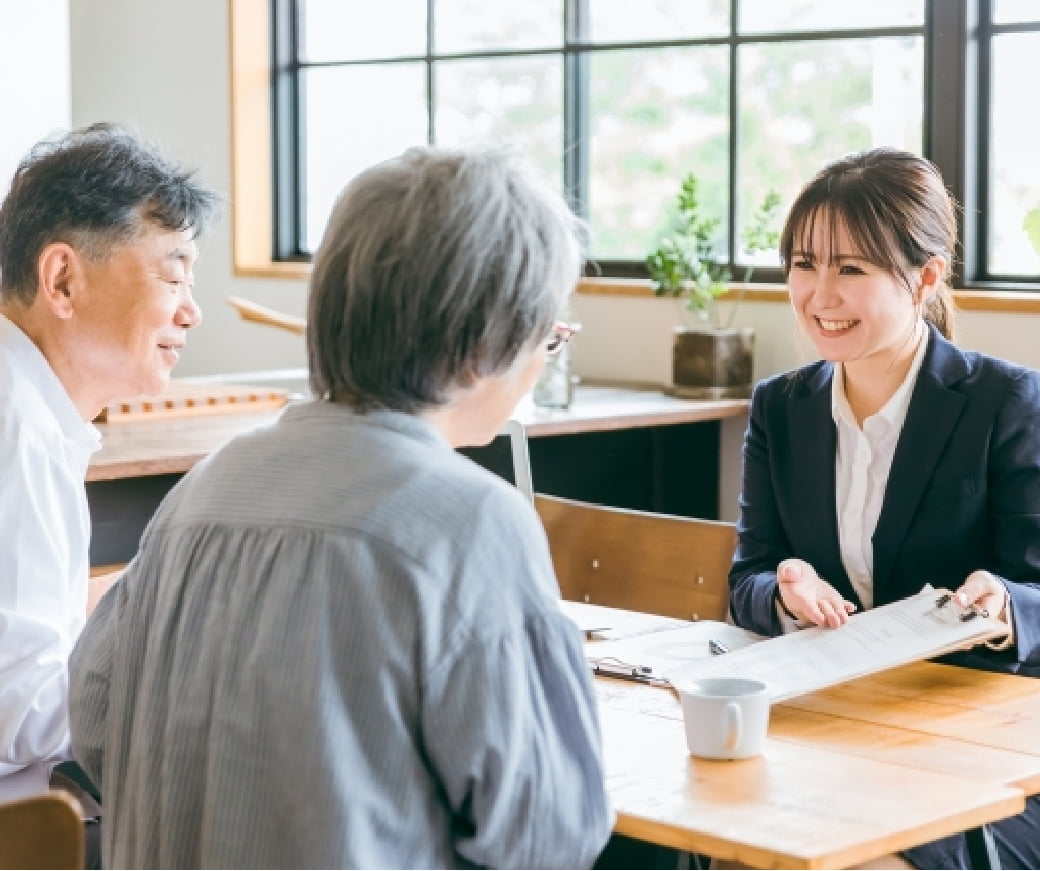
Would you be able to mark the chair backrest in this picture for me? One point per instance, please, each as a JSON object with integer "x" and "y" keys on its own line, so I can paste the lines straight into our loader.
{"x": 45, "y": 831}
{"x": 655, "y": 563}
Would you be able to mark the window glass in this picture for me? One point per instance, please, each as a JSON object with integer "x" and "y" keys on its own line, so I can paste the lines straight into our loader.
{"x": 655, "y": 115}
{"x": 516, "y": 102}
{"x": 1014, "y": 178}
{"x": 625, "y": 21}
{"x": 803, "y": 105}
{"x": 348, "y": 128}
{"x": 1015, "y": 11}
{"x": 480, "y": 25}
{"x": 334, "y": 30}
{"x": 761, "y": 16}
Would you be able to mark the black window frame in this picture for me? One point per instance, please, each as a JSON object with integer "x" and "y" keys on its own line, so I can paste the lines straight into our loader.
{"x": 957, "y": 38}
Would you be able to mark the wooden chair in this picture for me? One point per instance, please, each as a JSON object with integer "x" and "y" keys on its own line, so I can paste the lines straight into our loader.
{"x": 655, "y": 563}
{"x": 45, "y": 831}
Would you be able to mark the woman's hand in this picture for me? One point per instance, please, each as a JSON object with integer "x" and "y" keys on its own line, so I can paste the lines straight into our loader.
{"x": 809, "y": 598}
{"x": 984, "y": 591}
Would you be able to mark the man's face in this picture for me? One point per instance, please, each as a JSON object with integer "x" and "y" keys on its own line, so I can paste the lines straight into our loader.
{"x": 134, "y": 312}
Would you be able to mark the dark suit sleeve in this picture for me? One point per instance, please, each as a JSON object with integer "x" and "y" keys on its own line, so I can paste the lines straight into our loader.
{"x": 761, "y": 540}
{"x": 1014, "y": 487}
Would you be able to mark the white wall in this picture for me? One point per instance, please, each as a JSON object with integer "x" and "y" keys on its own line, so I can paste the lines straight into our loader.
{"x": 34, "y": 77}
{"x": 163, "y": 68}
{"x": 630, "y": 339}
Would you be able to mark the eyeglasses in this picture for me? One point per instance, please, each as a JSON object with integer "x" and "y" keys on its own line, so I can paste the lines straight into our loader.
{"x": 560, "y": 336}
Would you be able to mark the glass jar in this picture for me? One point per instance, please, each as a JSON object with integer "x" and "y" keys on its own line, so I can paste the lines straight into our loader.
{"x": 555, "y": 386}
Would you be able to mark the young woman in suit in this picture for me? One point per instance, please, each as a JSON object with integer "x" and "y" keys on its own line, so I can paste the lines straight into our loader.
{"x": 897, "y": 459}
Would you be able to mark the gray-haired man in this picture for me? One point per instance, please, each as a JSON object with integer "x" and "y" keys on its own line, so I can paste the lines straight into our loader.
{"x": 96, "y": 253}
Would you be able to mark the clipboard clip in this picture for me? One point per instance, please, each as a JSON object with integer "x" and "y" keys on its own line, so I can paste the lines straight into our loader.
{"x": 970, "y": 612}
{"x": 611, "y": 666}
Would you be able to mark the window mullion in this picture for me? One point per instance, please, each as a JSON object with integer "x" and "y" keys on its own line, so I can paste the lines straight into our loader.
{"x": 734, "y": 131}
{"x": 431, "y": 93}
{"x": 948, "y": 119}
{"x": 576, "y": 124}
{"x": 287, "y": 131}
{"x": 978, "y": 193}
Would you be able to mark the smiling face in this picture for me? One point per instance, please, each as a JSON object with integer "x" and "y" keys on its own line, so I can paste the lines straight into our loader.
{"x": 851, "y": 309}
{"x": 132, "y": 311}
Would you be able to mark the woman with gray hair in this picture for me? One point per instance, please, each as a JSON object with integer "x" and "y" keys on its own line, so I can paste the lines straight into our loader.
{"x": 340, "y": 643}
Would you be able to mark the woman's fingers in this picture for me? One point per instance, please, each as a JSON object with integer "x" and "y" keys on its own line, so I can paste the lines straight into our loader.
{"x": 834, "y": 612}
{"x": 809, "y": 597}
{"x": 982, "y": 589}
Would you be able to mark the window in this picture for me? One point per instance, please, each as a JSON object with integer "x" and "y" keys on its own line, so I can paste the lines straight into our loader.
{"x": 614, "y": 101}
{"x": 1009, "y": 220}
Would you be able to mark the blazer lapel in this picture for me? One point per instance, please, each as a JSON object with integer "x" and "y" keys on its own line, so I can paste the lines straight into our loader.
{"x": 930, "y": 419}
{"x": 812, "y": 448}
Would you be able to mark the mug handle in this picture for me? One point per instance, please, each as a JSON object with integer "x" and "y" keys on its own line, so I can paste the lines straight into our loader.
{"x": 734, "y": 725}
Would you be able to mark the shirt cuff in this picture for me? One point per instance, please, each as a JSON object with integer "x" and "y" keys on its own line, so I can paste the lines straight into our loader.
{"x": 787, "y": 622}
{"x": 1008, "y": 640}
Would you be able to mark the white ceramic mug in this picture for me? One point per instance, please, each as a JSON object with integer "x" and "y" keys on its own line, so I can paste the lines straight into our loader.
{"x": 725, "y": 717}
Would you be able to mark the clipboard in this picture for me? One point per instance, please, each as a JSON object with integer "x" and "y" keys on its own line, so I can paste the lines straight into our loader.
{"x": 919, "y": 627}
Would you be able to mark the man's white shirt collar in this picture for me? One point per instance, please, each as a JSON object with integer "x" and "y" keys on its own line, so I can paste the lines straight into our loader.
{"x": 33, "y": 365}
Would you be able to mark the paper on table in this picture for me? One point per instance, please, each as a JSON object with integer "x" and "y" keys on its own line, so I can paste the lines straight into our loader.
{"x": 810, "y": 659}
{"x": 609, "y": 623}
{"x": 666, "y": 650}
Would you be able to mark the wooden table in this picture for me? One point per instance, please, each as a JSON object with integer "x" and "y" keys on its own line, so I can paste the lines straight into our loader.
{"x": 614, "y": 446}
{"x": 865, "y": 768}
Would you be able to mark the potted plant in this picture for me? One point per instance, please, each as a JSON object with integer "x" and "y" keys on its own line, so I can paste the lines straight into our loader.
{"x": 711, "y": 360}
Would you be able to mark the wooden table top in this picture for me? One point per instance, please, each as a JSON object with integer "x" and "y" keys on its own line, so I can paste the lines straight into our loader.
{"x": 167, "y": 446}
{"x": 795, "y": 806}
{"x": 850, "y": 773}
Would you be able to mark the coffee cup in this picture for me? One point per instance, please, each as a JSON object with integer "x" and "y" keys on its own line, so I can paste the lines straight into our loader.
{"x": 725, "y": 717}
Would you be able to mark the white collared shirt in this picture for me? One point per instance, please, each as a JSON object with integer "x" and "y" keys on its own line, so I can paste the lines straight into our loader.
{"x": 862, "y": 462}
{"x": 45, "y": 447}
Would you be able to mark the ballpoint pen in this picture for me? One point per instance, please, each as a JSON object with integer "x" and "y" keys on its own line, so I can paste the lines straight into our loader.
{"x": 611, "y": 667}
{"x": 716, "y": 648}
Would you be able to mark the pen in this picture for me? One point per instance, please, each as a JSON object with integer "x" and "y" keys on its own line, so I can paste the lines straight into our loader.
{"x": 716, "y": 648}
{"x": 624, "y": 671}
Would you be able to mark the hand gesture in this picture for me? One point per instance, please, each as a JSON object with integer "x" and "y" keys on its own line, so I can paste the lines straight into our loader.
{"x": 809, "y": 598}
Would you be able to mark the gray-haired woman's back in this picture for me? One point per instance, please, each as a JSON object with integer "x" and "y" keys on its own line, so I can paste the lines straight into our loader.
{"x": 340, "y": 646}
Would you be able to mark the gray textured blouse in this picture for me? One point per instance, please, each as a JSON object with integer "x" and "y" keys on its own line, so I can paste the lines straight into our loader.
{"x": 340, "y": 645}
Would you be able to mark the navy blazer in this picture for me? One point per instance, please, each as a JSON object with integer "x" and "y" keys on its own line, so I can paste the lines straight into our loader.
{"x": 963, "y": 492}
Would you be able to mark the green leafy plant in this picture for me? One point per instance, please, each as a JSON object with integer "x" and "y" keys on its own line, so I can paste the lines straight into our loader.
{"x": 684, "y": 264}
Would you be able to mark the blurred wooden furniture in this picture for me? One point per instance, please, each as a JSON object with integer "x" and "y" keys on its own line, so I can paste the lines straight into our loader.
{"x": 183, "y": 398}
{"x": 850, "y": 773}
{"x": 45, "y": 831}
{"x": 654, "y": 563}
{"x": 614, "y": 446}
{"x": 261, "y": 314}
{"x": 160, "y": 446}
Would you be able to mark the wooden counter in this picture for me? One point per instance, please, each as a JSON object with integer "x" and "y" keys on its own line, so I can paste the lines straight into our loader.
{"x": 160, "y": 447}
{"x": 630, "y": 448}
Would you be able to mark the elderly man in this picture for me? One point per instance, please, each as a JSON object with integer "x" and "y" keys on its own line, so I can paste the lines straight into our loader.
{"x": 96, "y": 254}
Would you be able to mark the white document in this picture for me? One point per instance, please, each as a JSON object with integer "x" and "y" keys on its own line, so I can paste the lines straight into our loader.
{"x": 607, "y": 623}
{"x": 660, "y": 652}
{"x": 810, "y": 659}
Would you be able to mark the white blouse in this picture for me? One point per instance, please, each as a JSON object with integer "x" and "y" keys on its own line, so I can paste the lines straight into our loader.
{"x": 862, "y": 462}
